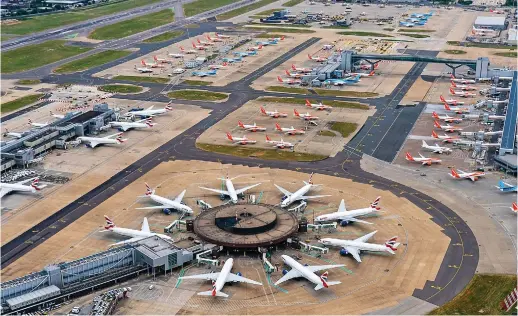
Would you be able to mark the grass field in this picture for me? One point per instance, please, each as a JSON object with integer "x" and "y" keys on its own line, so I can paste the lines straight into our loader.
{"x": 507, "y": 54}
{"x": 133, "y": 26}
{"x": 28, "y": 82}
{"x": 455, "y": 52}
{"x": 121, "y": 88}
{"x": 20, "y": 102}
{"x": 197, "y": 82}
{"x": 415, "y": 35}
{"x": 142, "y": 79}
{"x": 288, "y": 89}
{"x": 337, "y": 104}
{"x": 199, "y": 6}
{"x": 280, "y": 29}
{"x": 415, "y": 31}
{"x": 55, "y": 20}
{"x": 242, "y": 10}
{"x": 197, "y": 95}
{"x": 164, "y": 37}
{"x": 338, "y": 27}
{"x": 34, "y": 56}
{"x": 388, "y": 29}
{"x": 267, "y": 154}
{"x": 268, "y": 12}
{"x": 91, "y": 61}
{"x": 482, "y": 296}
{"x": 280, "y": 25}
{"x": 292, "y": 3}
{"x": 360, "y": 33}
{"x": 481, "y": 45}
{"x": 352, "y": 94}
{"x": 344, "y": 128}
{"x": 326, "y": 133}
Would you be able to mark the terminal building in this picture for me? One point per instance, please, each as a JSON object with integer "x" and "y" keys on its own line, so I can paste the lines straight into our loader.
{"x": 496, "y": 23}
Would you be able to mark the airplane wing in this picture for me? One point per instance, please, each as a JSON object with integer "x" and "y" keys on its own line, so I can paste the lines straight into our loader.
{"x": 127, "y": 241}
{"x": 354, "y": 252}
{"x": 93, "y": 144}
{"x": 342, "y": 208}
{"x": 158, "y": 207}
{"x": 215, "y": 190}
{"x": 305, "y": 197}
{"x": 352, "y": 219}
{"x": 324, "y": 267}
{"x": 246, "y": 188}
{"x": 366, "y": 237}
{"x": 180, "y": 196}
{"x": 293, "y": 273}
{"x": 145, "y": 226}
{"x": 150, "y": 108}
{"x": 4, "y": 191}
{"x": 113, "y": 135}
{"x": 206, "y": 276}
{"x": 284, "y": 191}
{"x": 236, "y": 278}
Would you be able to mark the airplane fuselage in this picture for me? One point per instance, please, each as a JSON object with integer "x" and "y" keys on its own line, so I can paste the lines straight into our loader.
{"x": 18, "y": 187}
{"x": 338, "y": 215}
{"x": 231, "y": 190}
{"x": 98, "y": 141}
{"x": 333, "y": 242}
{"x": 297, "y": 195}
{"x": 147, "y": 112}
{"x": 128, "y": 125}
{"x": 310, "y": 276}
{"x": 133, "y": 233}
{"x": 222, "y": 277}
{"x": 171, "y": 204}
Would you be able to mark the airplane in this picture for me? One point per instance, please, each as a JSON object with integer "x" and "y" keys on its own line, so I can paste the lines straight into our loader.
{"x": 279, "y": 144}
{"x": 93, "y": 142}
{"x": 514, "y": 208}
{"x": 125, "y": 126}
{"x": 299, "y": 195}
{"x": 161, "y": 60}
{"x": 166, "y": 204}
{"x": 305, "y": 117}
{"x": 496, "y": 11}
{"x": 303, "y": 70}
{"x": 476, "y": 31}
{"x": 274, "y": 114}
{"x": 175, "y": 55}
{"x": 406, "y": 24}
{"x": 20, "y": 135}
{"x": 263, "y": 43}
{"x": 344, "y": 217}
{"x": 220, "y": 278}
{"x": 152, "y": 65}
{"x": 288, "y": 81}
{"x": 204, "y": 73}
{"x": 356, "y": 246}
{"x": 308, "y": 272}
{"x": 240, "y": 140}
{"x": 190, "y": 51}
{"x": 204, "y": 43}
{"x": 198, "y": 47}
{"x": 231, "y": 191}
{"x": 317, "y": 59}
{"x": 232, "y": 60}
{"x": 462, "y": 87}
{"x": 506, "y": 187}
{"x": 445, "y": 138}
{"x": 318, "y": 106}
{"x": 459, "y": 174}
{"x": 451, "y": 101}
{"x": 276, "y": 39}
{"x": 135, "y": 234}
{"x": 341, "y": 82}
{"x": 368, "y": 66}
{"x": 294, "y": 74}
{"x": 361, "y": 74}
{"x": 436, "y": 148}
{"x": 447, "y": 128}
{"x": 6, "y": 188}
{"x": 463, "y": 81}
{"x": 446, "y": 118}
{"x": 215, "y": 67}
{"x": 328, "y": 46}
{"x": 39, "y": 125}
{"x": 143, "y": 70}
{"x": 462, "y": 94}
{"x": 423, "y": 160}
{"x": 58, "y": 116}
{"x": 251, "y": 128}
{"x": 421, "y": 22}
{"x": 255, "y": 47}
{"x": 289, "y": 130}
{"x": 150, "y": 111}
{"x": 221, "y": 35}
{"x": 456, "y": 109}
{"x": 216, "y": 39}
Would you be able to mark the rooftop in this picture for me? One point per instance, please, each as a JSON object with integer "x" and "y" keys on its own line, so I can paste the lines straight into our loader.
{"x": 490, "y": 20}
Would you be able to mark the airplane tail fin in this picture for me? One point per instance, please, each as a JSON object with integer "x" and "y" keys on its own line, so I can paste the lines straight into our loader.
{"x": 376, "y": 203}
{"x": 278, "y": 127}
{"x": 447, "y": 107}
{"x": 198, "y": 41}
{"x": 109, "y": 223}
{"x": 453, "y": 84}
{"x": 409, "y": 157}
{"x": 229, "y": 136}
{"x": 296, "y": 113}
{"x": 268, "y": 138}
{"x": 149, "y": 191}
{"x": 30, "y": 122}
{"x": 309, "y": 56}
{"x": 35, "y": 183}
{"x": 452, "y": 76}
{"x": 181, "y": 48}
{"x": 308, "y": 103}
{"x": 263, "y": 110}
{"x": 436, "y": 124}
{"x": 371, "y": 73}
{"x": 279, "y": 79}
{"x": 120, "y": 140}
{"x": 282, "y": 38}
{"x": 155, "y": 58}
{"x": 376, "y": 65}
{"x": 293, "y": 67}
{"x": 454, "y": 173}
{"x": 442, "y": 98}
{"x": 434, "y": 134}
{"x": 240, "y": 124}
{"x": 392, "y": 244}
{"x": 452, "y": 92}
{"x": 287, "y": 72}
{"x": 515, "y": 207}
{"x": 434, "y": 115}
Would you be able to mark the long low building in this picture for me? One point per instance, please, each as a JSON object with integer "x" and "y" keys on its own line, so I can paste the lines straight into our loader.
{"x": 491, "y": 22}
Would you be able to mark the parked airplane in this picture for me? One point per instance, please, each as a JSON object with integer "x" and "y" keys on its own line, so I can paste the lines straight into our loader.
{"x": 345, "y": 81}
{"x": 451, "y": 101}
{"x": 39, "y": 125}
{"x": 215, "y": 67}
{"x": 198, "y": 47}
{"x": 189, "y": 51}
{"x": 166, "y": 204}
{"x": 445, "y": 138}
{"x": 289, "y": 130}
{"x": 252, "y": 48}
{"x": 435, "y": 148}
{"x": 220, "y": 278}
{"x": 251, "y": 128}
{"x": 58, "y": 116}
{"x": 446, "y": 118}
{"x": 245, "y": 54}
{"x": 305, "y": 117}
{"x": 318, "y": 106}
{"x": 301, "y": 69}
{"x": 175, "y": 55}
{"x": 20, "y": 135}
{"x": 462, "y": 94}
{"x": 6, "y": 188}
{"x": 463, "y": 81}
{"x": 447, "y": 128}
{"x": 216, "y": 39}
{"x": 279, "y": 144}
{"x": 135, "y": 235}
{"x": 506, "y": 187}
{"x": 152, "y": 65}
{"x": 274, "y": 114}
{"x": 150, "y": 111}
{"x": 308, "y": 272}
{"x": 514, "y": 207}
{"x": 240, "y": 140}
{"x": 406, "y": 24}
{"x": 423, "y": 160}
{"x": 483, "y": 32}
{"x": 232, "y": 60}
{"x": 361, "y": 74}
{"x": 344, "y": 217}
{"x": 276, "y": 39}
{"x": 459, "y": 174}
{"x": 231, "y": 191}
{"x": 368, "y": 66}
{"x": 496, "y": 11}
{"x": 294, "y": 74}
{"x": 221, "y": 35}
{"x": 143, "y": 69}
{"x": 456, "y": 109}
{"x": 356, "y": 246}
{"x": 299, "y": 195}
{"x": 204, "y": 73}
{"x": 462, "y": 87}
{"x": 204, "y": 43}
{"x": 288, "y": 81}
{"x": 93, "y": 142}
{"x": 319, "y": 59}
{"x": 125, "y": 126}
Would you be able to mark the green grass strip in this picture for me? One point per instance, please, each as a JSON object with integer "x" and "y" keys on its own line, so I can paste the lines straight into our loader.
{"x": 292, "y": 3}
{"x": 164, "y": 37}
{"x": 121, "y": 88}
{"x": 242, "y": 10}
{"x": 20, "y": 102}
{"x": 197, "y": 95}
{"x": 337, "y": 104}
{"x": 267, "y": 154}
{"x": 91, "y": 61}
{"x": 28, "y": 81}
{"x": 142, "y": 79}
{"x": 197, "y": 82}
{"x": 360, "y": 33}
{"x": 344, "y": 128}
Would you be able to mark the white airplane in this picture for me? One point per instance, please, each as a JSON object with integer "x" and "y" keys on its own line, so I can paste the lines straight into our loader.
{"x": 252, "y": 48}
{"x": 463, "y": 81}
{"x": 93, "y": 142}
{"x": 288, "y": 81}
{"x": 220, "y": 278}
{"x": 514, "y": 208}
{"x": 152, "y": 65}
{"x": 212, "y": 67}
{"x": 204, "y": 43}
{"x": 308, "y": 272}
{"x": 6, "y": 188}
{"x": 135, "y": 235}
{"x": 279, "y": 144}
{"x": 39, "y": 125}
{"x": 423, "y": 160}
{"x": 176, "y": 55}
{"x": 361, "y": 74}
{"x": 435, "y": 148}
{"x": 451, "y": 101}
{"x": 166, "y": 204}
{"x": 289, "y": 130}
{"x": 125, "y": 126}
{"x": 447, "y": 128}
{"x": 198, "y": 47}
{"x": 319, "y": 59}
{"x": 216, "y": 39}
{"x": 344, "y": 216}
{"x": 318, "y": 106}
{"x": 161, "y": 60}
{"x": 143, "y": 70}
{"x": 221, "y": 35}
{"x": 445, "y": 138}
{"x": 231, "y": 191}
{"x": 12, "y": 134}
{"x": 58, "y": 116}
{"x": 274, "y": 114}
{"x": 150, "y": 111}
{"x": 304, "y": 70}
{"x": 251, "y": 128}
{"x": 476, "y": 31}
{"x": 459, "y": 174}
{"x": 189, "y": 51}
{"x": 456, "y": 109}
{"x": 240, "y": 140}
{"x": 462, "y": 87}
{"x": 305, "y": 117}
{"x": 299, "y": 195}
{"x": 462, "y": 94}
{"x": 294, "y": 74}
{"x": 446, "y": 118}
{"x": 356, "y": 246}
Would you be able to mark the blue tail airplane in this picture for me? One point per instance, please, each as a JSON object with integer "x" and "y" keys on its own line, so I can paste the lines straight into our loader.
{"x": 506, "y": 187}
